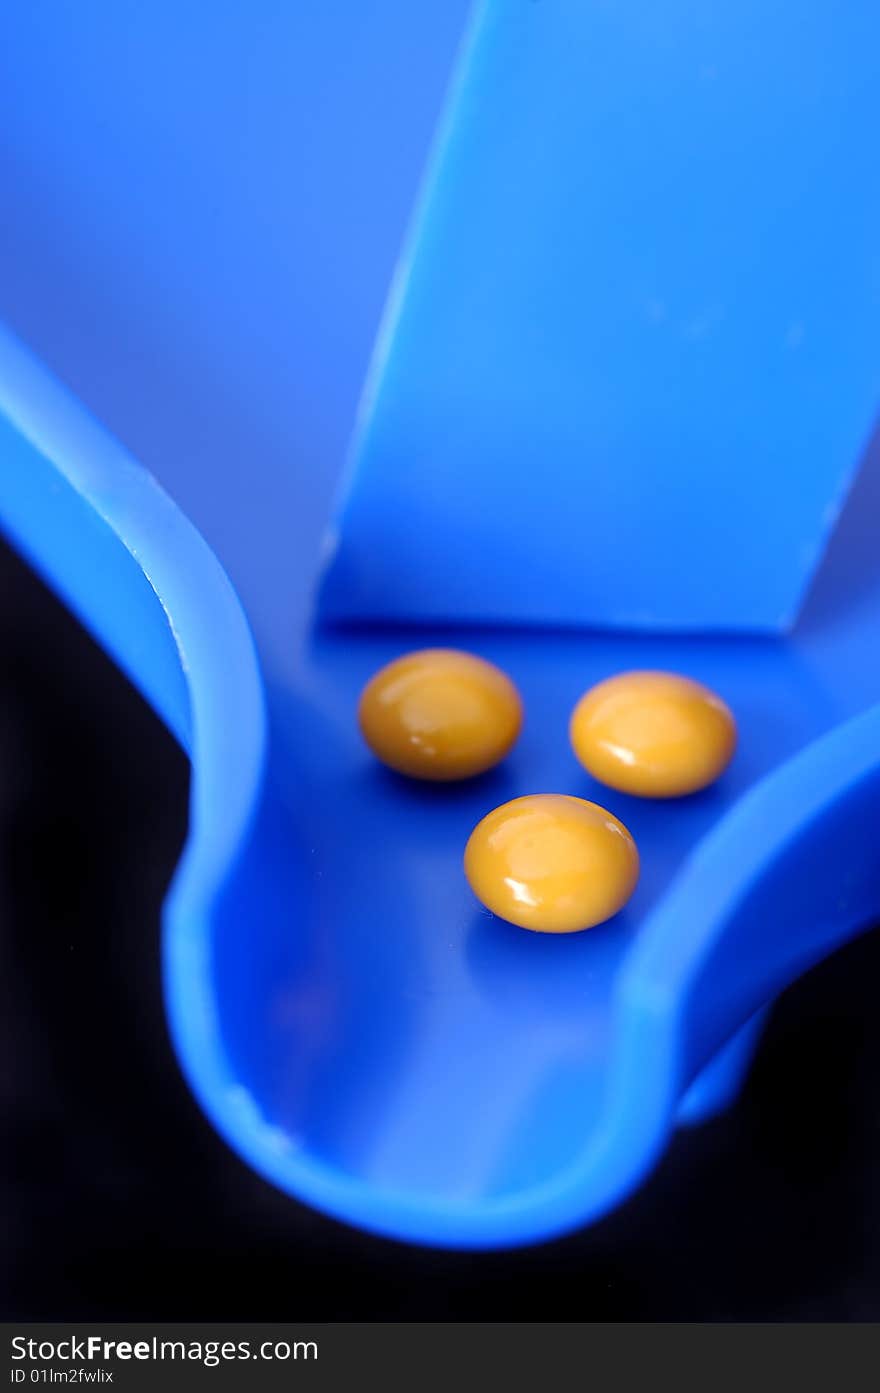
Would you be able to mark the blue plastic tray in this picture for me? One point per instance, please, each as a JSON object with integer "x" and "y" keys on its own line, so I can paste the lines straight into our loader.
{"x": 630, "y": 361}
{"x": 351, "y": 1022}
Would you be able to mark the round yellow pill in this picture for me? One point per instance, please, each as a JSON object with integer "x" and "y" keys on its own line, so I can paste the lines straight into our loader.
{"x": 552, "y": 863}
{"x": 440, "y": 714}
{"x": 654, "y": 734}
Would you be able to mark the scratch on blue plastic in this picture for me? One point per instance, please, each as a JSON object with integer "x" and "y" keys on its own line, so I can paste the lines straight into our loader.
{"x": 640, "y": 299}
{"x": 353, "y": 1025}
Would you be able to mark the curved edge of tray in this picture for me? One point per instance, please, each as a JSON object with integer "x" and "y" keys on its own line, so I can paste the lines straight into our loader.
{"x": 82, "y": 477}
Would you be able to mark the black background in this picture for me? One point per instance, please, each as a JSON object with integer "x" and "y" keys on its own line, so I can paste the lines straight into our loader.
{"x": 118, "y": 1201}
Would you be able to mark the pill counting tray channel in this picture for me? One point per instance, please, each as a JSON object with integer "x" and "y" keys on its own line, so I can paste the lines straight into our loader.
{"x": 203, "y": 213}
{"x": 356, "y": 1027}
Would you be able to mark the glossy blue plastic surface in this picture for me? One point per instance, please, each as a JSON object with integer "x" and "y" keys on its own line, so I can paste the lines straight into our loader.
{"x": 351, "y": 1022}
{"x": 640, "y": 300}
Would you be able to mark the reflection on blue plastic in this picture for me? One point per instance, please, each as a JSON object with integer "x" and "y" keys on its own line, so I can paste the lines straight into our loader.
{"x": 203, "y": 204}
{"x": 717, "y": 1086}
{"x": 351, "y": 1022}
{"x": 632, "y": 356}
